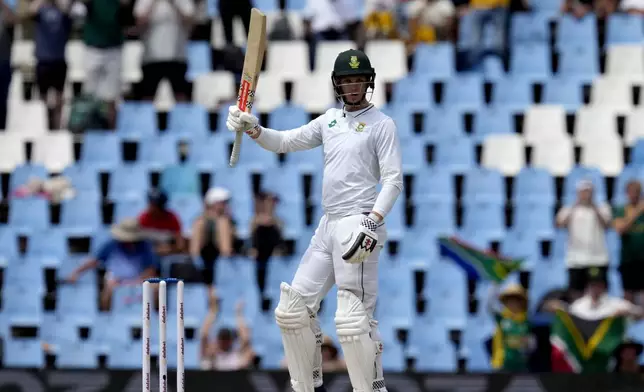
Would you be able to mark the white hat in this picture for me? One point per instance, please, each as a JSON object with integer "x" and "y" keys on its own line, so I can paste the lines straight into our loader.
{"x": 127, "y": 230}
{"x": 584, "y": 185}
{"x": 216, "y": 195}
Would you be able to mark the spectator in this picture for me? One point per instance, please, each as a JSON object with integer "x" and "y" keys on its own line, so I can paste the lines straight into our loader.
{"x": 478, "y": 16}
{"x": 627, "y": 357}
{"x": 232, "y": 349}
{"x": 161, "y": 225}
{"x": 55, "y": 189}
{"x": 586, "y": 223}
{"x": 53, "y": 26}
{"x": 580, "y": 8}
{"x": 266, "y": 234}
{"x": 635, "y": 7}
{"x": 126, "y": 258}
{"x": 165, "y": 28}
{"x": 213, "y": 233}
{"x": 513, "y": 341}
{"x": 430, "y": 21}
{"x": 228, "y": 10}
{"x": 629, "y": 223}
{"x": 380, "y": 19}
{"x": 7, "y": 21}
{"x": 331, "y": 361}
{"x": 103, "y": 37}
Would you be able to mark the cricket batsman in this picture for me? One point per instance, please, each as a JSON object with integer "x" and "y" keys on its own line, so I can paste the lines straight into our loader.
{"x": 361, "y": 149}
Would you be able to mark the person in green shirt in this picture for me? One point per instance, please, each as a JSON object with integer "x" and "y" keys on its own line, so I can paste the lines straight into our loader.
{"x": 512, "y": 341}
{"x": 629, "y": 223}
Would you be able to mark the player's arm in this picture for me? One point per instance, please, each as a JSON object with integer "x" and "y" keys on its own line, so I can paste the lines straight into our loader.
{"x": 305, "y": 137}
{"x": 390, "y": 162}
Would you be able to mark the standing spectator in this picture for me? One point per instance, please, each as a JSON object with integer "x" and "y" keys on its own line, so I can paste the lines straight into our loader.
{"x": 103, "y": 37}
{"x": 161, "y": 225}
{"x": 430, "y": 21}
{"x": 478, "y": 16}
{"x": 635, "y": 7}
{"x": 380, "y": 19}
{"x": 629, "y": 223}
{"x": 228, "y": 10}
{"x": 7, "y": 21}
{"x": 213, "y": 233}
{"x": 321, "y": 23}
{"x": 53, "y": 26}
{"x": 586, "y": 223}
{"x": 127, "y": 259}
{"x": 165, "y": 26}
{"x": 627, "y": 357}
{"x": 266, "y": 234}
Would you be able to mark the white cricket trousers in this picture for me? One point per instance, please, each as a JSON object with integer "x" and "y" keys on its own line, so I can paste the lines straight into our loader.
{"x": 322, "y": 266}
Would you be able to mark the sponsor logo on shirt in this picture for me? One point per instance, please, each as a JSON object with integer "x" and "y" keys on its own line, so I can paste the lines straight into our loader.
{"x": 332, "y": 123}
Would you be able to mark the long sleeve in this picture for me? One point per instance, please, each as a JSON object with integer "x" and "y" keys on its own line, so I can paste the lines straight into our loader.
{"x": 390, "y": 162}
{"x": 305, "y": 137}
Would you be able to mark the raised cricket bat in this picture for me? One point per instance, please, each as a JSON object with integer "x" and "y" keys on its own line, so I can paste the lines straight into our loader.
{"x": 255, "y": 47}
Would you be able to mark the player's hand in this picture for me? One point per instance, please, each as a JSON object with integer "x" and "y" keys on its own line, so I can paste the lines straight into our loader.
{"x": 240, "y": 121}
{"x": 362, "y": 242}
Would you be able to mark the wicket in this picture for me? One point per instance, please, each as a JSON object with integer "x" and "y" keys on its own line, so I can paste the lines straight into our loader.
{"x": 163, "y": 355}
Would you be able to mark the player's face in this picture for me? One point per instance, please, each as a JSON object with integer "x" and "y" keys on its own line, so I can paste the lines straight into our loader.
{"x": 353, "y": 88}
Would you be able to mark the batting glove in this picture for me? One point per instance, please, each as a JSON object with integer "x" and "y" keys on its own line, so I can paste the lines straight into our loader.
{"x": 240, "y": 121}
{"x": 362, "y": 242}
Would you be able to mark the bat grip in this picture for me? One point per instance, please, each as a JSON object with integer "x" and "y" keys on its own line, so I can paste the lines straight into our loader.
{"x": 234, "y": 155}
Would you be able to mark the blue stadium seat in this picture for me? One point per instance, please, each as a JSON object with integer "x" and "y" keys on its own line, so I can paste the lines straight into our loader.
{"x": 287, "y": 117}
{"x": 85, "y": 179}
{"x": 208, "y": 153}
{"x": 254, "y": 157}
{"x": 158, "y": 152}
{"x": 280, "y": 269}
{"x": 395, "y": 220}
{"x": 403, "y": 116}
{"x": 136, "y": 119}
{"x": 513, "y": 93}
{"x": 493, "y": 69}
{"x": 478, "y": 360}
{"x": 29, "y": 309}
{"x": 531, "y": 61}
{"x": 128, "y": 182}
{"x": 454, "y": 154}
{"x": 292, "y": 215}
{"x": 485, "y": 219}
{"x": 295, "y": 5}
{"x": 418, "y": 248}
{"x": 464, "y": 92}
{"x": 521, "y": 244}
{"x": 433, "y": 184}
{"x": 560, "y": 246}
{"x": 188, "y": 119}
{"x": 8, "y": 246}
{"x": 529, "y": 27}
{"x": 199, "y": 59}
{"x": 483, "y": 185}
{"x": 572, "y": 31}
{"x": 195, "y": 299}
{"x": 637, "y": 153}
{"x": 579, "y": 62}
{"x": 545, "y": 279}
{"x": 564, "y": 91}
{"x": 414, "y": 151}
{"x": 237, "y": 181}
{"x": 393, "y": 358}
{"x": 78, "y": 302}
{"x": 435, "y": 216}
{"x": 23, "y": 173}
{"x": 24, "y": 270}
{"x": 131, "y": 208}
{"x": 614, "y": 245}
{"x": 24, "y": 353}
{"x": 80, "y": 216}
{"x": 624, "y": 29}
{"x": 432, "y": 349}
{"x": 287, "y": 184}
{"x": 101, "y": 150}
{"x": 26, "y": 215}
{"x": 534, "y": 185}
{"x": 415, "y": 89}
{"x": 584, "y": 173}
{"x": 491, "y": 120}
{"x": 267, "y": 341}
{"x": 187, "y": 207}
{"x": 125, "y": 356}
{"x": 126, "y": 301}
{"x": 443, "y": 122}
{"x": 76, "y": 355}
{"x": 630, "y": 172}
{"x": 446, "y": 289}
{"x": 535, "y": 218}
{"x": 435, "y": 62}
{"x": 545, "y": 5}
{"x": 70, "y": 263}
{"x": 180, "y": 179}
{"x": 49, "y": 247}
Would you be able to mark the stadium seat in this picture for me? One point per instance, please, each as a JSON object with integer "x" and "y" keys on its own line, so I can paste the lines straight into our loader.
{"x": 435, "y": 216}
{"x": 128, "y": 182}
{"x": 214, "y": 87}
{"x": 136, "y": 120}
{"x": 484, "y": 185}
{"x": 8, "y": 246}
{"x": 492, "y": 120}
{"x": 289, "y": 60}
{"x": 288, "y": 117}
{"x": 435, "y": 62}
{"x": 189, "y": 120}
{"x": 625, "y": 61}
{"x": 77, "y": 302}
{"x": 634, "y": 127}
{"x": 485, "y": 219}
{"x": 80, "y": 216}
{"x": 131, "y": 61}
{"x": 124, "y": 355}
{"x": 564, "y": 91}
{"x": 441, "y": 123}
{"x": 254, "y": 157}
{"x": 612, "y": 93}
{"x": 314, "y": 93}
{"x": 431, "y": 349}
{"x": 577, "y": 32}
{"x": 24, "y": 353}
{"x": 208, "y": 153}
{"x": 195, "y": 299}
{"x": 512, "y": 93}
{"x": 505, "y": 153}
{"x": 164, "y": 99}
{"x": 28, "y": 119}
{"x": 85, "y": 179}
{"x": 579, "y": 62}
{"x": 624, "y": 29}
{"x": 493, "y": 69}
{"x": 24, "y": 271}
{"x": 326, "y": 53}
{"x": 199, "y": 60}
{"x": 584, "y": 173}
{"x": 455, "y": 154}
{"x": 292, "y": 215}
{"x": 388, "y": 58}
{"x": 404, "y": 117}
{"x": 534, "y": 185}
{"x": 158, "y": 152}
{"x": 237, "y": 181}
{"x": 557, "y": 157}
{"x": 54, "y": 150}
{"x": 545, "y": 279}
{"x": 544, "y": 123}
{"x": 432, "y": 184}
{"x": 522, "y": 241}
{"x": 126, "y": 301}
{"x": 48, "y": 247}
{"x": 180, "y": 179}
{"x": 531, "y": 61}
{"x": 414, "y": 89}
{"x": 464, "y": 92}
{"x": 72, "y": 262}
{"x": 414, "y": 151}
{"x": 595, "y": 124}
{"x": 446, "y": 288}
{"x": 76, "y": 355}
{"x": 101, "y": 151}
{"x": 28, "y": 310}
{"x": 26, "y": 215}
{"x": 128, "y": 208}
{"x": 604, "y": 154}
{"x": 74, "y": 54}
{"x": 529, "y": 27}
{"x": 187, "y": 207}
{"x": 287, "y": 184}
{"x": 22, "y": 174}
{"x": 270, "y": 93}
{"x": 535, "y": 218}
{"x": 12, "y": 152}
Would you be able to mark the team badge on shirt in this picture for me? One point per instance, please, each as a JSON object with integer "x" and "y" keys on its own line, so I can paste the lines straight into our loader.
{"x": 354, "y": 63}
{"x": 360, "y": 127}
{"x": 332, "y": 123}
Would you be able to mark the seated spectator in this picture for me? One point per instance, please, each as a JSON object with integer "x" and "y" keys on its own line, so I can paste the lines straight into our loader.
{"x": 165, "y": 29}
{"x": 213, "y": 233}
{"x": 430, "y": 21}
{"x": 266, "y": 235}
{"x": 629, "y": 224}
{"x": 331, "y": 361}
{"x": 55, "y": 189}
{"x": 627, "y": 357}
{"x": 513, "y": 341}
{"x": 380, "y": 19}
{"x": 586, "y": 223}
{"x": 160, "y": 225}
{"x": 484, "y": 15}
{"x": 635, "y": 7}
{"x": 127, "y": 259}
{"x": 232, "y": 349}
{"x": 53, "y": 26}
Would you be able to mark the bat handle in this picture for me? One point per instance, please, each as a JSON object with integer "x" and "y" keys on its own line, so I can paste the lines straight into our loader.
{"x": 234, "y": 155}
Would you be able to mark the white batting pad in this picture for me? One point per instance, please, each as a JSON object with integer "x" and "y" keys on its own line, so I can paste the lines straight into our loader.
{"x": 301, "y": 346}
{"x": 361, "y": 347}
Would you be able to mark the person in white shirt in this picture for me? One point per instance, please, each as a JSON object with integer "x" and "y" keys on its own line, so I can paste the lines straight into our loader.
{"x": 635, "y": 7}
{"x": 361, "y": 149}
{"x": 586, "y": 223}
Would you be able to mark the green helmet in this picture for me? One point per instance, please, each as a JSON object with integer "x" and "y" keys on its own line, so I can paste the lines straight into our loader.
{"x": 352, "y": 62}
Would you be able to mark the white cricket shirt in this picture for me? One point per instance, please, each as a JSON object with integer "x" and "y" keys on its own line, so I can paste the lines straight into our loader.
{"x": 586, "y": 236}
{"x": 361, "y": 149}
